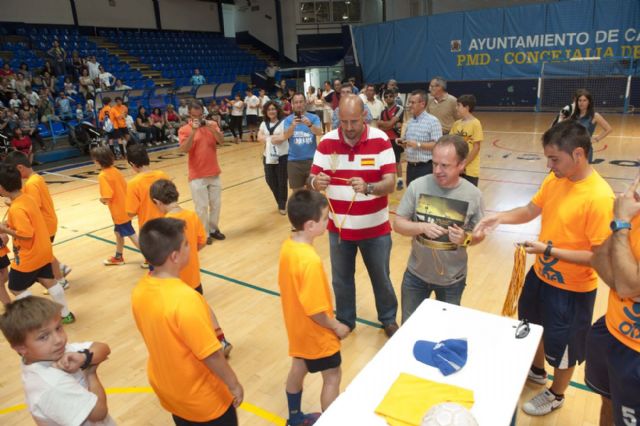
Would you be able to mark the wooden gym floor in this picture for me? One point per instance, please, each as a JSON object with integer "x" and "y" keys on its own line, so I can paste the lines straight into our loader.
{"x": 240, "y": 273}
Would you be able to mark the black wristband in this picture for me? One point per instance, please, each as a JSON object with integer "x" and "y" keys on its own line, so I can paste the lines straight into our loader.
{"x": 88, "y": 358}
{"x": 547, "y": 251}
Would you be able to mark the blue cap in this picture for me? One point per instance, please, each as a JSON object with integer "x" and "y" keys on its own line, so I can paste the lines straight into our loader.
{"x": 449, "y": 356}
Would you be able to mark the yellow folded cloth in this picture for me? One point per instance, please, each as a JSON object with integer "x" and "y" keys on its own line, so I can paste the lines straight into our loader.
{"x": 410, "y": 397}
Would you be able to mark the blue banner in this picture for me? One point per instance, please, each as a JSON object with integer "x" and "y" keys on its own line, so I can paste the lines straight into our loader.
{"x": 500, "y": 43}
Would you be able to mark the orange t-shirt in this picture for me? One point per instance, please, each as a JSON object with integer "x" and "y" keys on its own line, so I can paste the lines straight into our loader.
{"x": 623, "y": 314}
{"x": 175, "y": 323}
{"x": 113, "y": 187}
{"x": 138, "y": 199}
{"x": 36, "y": 187}
{"x": 304, "y": 291}
{"x": 118, "y": 116}
{"x": 196, "y": 235}
{"x": 25, "y": 218}
{"x": 103, "y": 111}
{"x": 575, "y": 216}
{"x": 4, "y": 251}
{"x": 203, "y": 157}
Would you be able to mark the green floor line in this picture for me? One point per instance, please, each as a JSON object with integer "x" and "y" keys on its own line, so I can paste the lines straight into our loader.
{"x": 575, "y": 385}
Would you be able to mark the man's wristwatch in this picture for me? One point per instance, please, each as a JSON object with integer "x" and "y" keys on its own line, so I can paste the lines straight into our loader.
{"x": 368, "y": 190}
{"x": 89, "y": 357}
{"x": 547, "y": 251}
{"x": 617, "y": 224}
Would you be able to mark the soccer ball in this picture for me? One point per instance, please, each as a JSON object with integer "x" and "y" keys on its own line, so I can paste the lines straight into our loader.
{"x": 448, "y": 414}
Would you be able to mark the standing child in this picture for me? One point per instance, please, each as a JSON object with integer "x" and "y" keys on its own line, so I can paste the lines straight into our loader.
{"x": 138, "y": 201}
{"x": 36, "y": 187}
{"x": 165, "y": 195}
{"x": 186, "y": 366}
{"x": 314, "y": 333}
{"x": 113, "y": 193}
{"x": 470, "y": 129}
{"x": 60, "y": 379}
{"x": 4, "y": 269}
{"x": 31, "y": 244}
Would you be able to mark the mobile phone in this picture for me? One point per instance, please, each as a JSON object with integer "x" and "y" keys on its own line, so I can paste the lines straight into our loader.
{"x": 299, "y": 115}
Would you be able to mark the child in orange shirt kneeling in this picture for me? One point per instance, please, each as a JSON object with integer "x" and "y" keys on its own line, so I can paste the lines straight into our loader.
{"x": 314, "y": 333}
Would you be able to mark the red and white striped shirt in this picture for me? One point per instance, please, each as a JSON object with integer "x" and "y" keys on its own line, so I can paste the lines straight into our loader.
{"x": 365, "y": 216}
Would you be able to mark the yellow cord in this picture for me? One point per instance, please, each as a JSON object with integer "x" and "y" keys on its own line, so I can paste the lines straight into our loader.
{"x": 333, "y": 212}
{"x": 517, "y": 281}
{"x": 437, "y": 261}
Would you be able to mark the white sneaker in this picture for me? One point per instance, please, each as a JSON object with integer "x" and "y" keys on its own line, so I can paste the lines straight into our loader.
{"x": 541, "y": 404}
{"x": 540, "y": 379}
{"x": 65, "y": 269}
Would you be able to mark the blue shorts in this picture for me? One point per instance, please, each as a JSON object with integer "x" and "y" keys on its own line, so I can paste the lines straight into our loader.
{"x": 124, "y": 229}
{"x": 613, "y": 371}
{"x": 565, "y": 315}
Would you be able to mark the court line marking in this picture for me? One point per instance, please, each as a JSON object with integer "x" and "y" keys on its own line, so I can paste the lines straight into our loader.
{"x": 576, "y": 385}
{"x": 542, "y": 133}
{"x": 246, "y": 406}
{"x": 70, "y": 177}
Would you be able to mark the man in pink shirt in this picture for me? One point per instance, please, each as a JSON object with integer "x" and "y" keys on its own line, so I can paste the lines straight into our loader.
{"x": 199, "y": 138}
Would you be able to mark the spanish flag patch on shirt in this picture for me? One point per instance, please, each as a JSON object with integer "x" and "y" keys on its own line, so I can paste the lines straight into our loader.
{"x": 367, "y": 162}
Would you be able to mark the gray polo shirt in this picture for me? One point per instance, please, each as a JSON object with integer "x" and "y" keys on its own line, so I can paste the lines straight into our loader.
{"x": 452, "y": 266}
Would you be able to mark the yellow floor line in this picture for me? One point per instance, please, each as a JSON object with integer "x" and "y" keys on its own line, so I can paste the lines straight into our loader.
{"x": 250, "y": 408}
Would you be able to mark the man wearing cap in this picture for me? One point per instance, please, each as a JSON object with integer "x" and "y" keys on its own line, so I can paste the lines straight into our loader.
{"x": 356, "y": 166}
{"x": 613, "y": 344}
{"x": 575, "y": 204}
{"x": 441, "y": 104}
{"x": 438, "y": 268}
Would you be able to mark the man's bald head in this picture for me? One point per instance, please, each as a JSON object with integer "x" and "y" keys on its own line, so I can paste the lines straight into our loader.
{"x": 351, "y": 103}
{"x": 351, "y": 114}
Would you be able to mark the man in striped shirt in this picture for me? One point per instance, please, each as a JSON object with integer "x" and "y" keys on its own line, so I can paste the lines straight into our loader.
{"x": 355, "y": 164}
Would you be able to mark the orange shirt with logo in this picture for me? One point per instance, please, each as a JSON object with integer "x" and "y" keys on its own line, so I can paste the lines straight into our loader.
{"x": 113, "y": 188}
{"x": 575, "y": 216}
{"x": 103, "y": 111}
{"x": 304, "y": 291}
{"x": 623, "y": 314}
{"x": 25, "y": 218}
{"x": 175, "y": 323}
{"x": 196, "y": 235}
{"x": 203, "y": 155}
{"x": 138, "y": 200}
{"x": 36, "y": 187}
{"x": 118, "y": 116}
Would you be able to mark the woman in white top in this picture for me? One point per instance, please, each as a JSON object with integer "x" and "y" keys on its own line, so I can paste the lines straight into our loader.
{"x": 237, "y": 109}
{"x": 327, "y": 111}
{"x": 106, "y": 79}
{"x": 311, "y": 99}
{"x": 276, "y": 152}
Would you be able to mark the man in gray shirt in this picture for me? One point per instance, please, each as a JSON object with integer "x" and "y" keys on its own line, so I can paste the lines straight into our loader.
{"x": 439, "y": 211}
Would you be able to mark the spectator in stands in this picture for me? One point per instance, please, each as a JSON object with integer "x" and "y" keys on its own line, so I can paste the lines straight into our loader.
{"x": 197, "y": 79}
{"x": 143, "y": 125}
{"x": 86, "y": 83}
{"x": 120, "y": 85}
{"x": 252, "y": 103}
{"x": 5, "y": 90}
{"x": 64, "y": 104}
{"x": 183, "y": 110}
{"x": 77, "y": 65}
{"x": 69, "y": 87}
{"x": 441, "y": 104}
{"x": 59, "y": 56}
{"x": 46, "y": 109}
{"x": 24, "y": 69}
{"x": 157, "y": 121}
{"x": 48, "y": 81}
{"x": 132, "y": 134}
{"x": 5, "y": 128}
{"x": 283, "y": 86}
{"x": 586, "y": 115}
{"x": 6, "y": 70}
{"x": 287, "y": 109}
{"x": 94, "y": 67}
{"x": 14, "y": 102}
{"x": 47, "y": 68}
{"x": 32, "y": 96}
{"x": 20, "y": 84}
{"x": 89, "y": 110}
{"x": 290, "y": 92}
{"x": 172, "y": 122}
{"x": 21, "y": 142}
{"x": 28, "y": 124}
{"x": 97, "y": 84}
{"x": 237, "y": 109}
{"x": 106, "y": 79}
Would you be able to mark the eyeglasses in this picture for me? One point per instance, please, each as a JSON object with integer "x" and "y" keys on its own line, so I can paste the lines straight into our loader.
{"x": 522, "y": 330}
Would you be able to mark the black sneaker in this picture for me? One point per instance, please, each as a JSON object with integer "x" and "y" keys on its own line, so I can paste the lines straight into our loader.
{"x": 217, "y": 235}
{"x": 209, "y": 240}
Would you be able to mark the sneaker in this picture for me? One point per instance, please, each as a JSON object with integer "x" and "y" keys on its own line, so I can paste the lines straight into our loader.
{"x": 540, "y": 379}
{"x": 69, "y": 319}
{"x": 65, "y": 269}
{"x": 144, "y": 265}
{"x": 217, "y": 235}
{"x": 226, "y": 347}
{"x": 114, "y": 261}
{"x": 283, "y": 212}
{"x": 541, "y": 404}
{"x": 209, "y": 240}
{"x": 399, "y": 185}
{"x": 308, "y": 420}
{"x": 390, "y": 329}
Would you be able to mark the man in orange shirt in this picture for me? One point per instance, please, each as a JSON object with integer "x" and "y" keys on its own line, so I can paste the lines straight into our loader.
{"x": 186, "y": 367}
{"x": 138, "y": 201}
{"x": 36, "y": 187}
{"x": 31, "y": 244}
{"x": 165, "y": 195}
{"x": 575, "y": 204}
{"x": 613, "y": 344}
{"x": 199, "y": 138}
{"x": 314, "y": 332}
{"x": 113, "y": 192}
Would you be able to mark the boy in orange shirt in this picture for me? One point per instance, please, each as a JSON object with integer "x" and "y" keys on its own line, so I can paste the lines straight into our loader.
{"x": 118, "y": 115}
{"x": 36, "y": 187}
{"x": 314, "y": 333}
{"x": 165, "y": 195}
{"x": 138, "y": 200}
{"x": 186, "y": 366}
{"x": 113, "y": 192}
{"x": 31, "y": 243}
